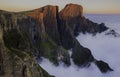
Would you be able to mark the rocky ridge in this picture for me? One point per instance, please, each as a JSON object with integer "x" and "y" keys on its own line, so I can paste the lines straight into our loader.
{"x": 16, "y": 57}
{"x": 45, "y": 32}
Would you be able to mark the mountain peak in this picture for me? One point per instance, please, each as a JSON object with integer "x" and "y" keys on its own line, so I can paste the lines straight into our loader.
{"x": 46, "y": 10}
{"x": 72, "y": 10}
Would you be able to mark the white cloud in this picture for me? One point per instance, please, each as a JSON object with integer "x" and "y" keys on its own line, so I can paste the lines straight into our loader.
{"x": 106, "y": 48}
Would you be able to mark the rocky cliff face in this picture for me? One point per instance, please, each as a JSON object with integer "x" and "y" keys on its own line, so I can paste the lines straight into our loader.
{"x": 50, "y": 44}
{"x": 44, "y": 32}
{"x": 48, "y": 16}
{"x": 71, "y": 10}
{"x": 16, "y": 56}
{"x": 72, "y": 15}
{"x": 16, "y": 63}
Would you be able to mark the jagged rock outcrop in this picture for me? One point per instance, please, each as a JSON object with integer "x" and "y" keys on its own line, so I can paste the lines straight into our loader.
{"x": 27, "y": 29}
{"x": 103, "y": 66}
{"x": 72, "y": 16}
{"x": 82, "y": 56}
{"x": 112, "y": 33}
{"x": 51, "y": 38}
{"x": 71, "y": 22}
{"x": 48, "y": 15}
{"x": 45, "y": 32}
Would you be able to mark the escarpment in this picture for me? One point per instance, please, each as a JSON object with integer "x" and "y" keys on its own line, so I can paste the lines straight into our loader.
{"x": 16, "y": 63}
{"x": 16, "y": 52}
{"x": 50, "y": 44}
{"x": 44, "y": 32}
{"x": 48, "y": 15}
{"x": 72, "y": 15}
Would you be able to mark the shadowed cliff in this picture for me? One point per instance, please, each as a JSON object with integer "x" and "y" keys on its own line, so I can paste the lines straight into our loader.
{"x": 45, "y": 32}
{"x": 72, "y": 15}
{"x": 16, "y": 56}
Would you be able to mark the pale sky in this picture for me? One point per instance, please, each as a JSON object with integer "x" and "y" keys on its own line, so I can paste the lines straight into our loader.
{"x": 90, "y": 6}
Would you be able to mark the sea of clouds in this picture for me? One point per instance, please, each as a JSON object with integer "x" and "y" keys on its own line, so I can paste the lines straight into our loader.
{"x": 103, "y": 47}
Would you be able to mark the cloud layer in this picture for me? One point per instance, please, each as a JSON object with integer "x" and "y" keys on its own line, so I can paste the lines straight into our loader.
{"x": 106, "y": 48}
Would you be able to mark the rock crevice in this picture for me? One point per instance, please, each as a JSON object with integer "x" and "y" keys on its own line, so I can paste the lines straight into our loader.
{"x": 45, "y": 32}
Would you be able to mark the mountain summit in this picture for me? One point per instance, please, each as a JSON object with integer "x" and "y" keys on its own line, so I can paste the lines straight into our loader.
{"x": 71, "y": 10}
{"x": 47, "y": 33}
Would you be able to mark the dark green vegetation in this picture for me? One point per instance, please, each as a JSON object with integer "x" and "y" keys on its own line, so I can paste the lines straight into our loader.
{"x": 43, "y": 32}
{"x": 13, "y": 38}
{"x": 16, "y": 63}
{"x": 16, "y": 56}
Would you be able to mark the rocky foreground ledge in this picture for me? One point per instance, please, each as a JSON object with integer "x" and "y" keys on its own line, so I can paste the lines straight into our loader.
{"x": 45, "y": 32}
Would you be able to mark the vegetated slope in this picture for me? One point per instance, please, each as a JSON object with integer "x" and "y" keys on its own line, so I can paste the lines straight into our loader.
{"x": 45, "y": 32}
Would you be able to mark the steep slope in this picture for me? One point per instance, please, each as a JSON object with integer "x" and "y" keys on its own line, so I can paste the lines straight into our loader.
{"x": 51, "y": 43}
{"x": 72, "y": 15}
{"x": 70, "y": 23}
{"x": 16, "y": 63}
{"x": 48, "y": 15}
{"x": 45, "y": 32}
{"x": 16, "y": 58}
